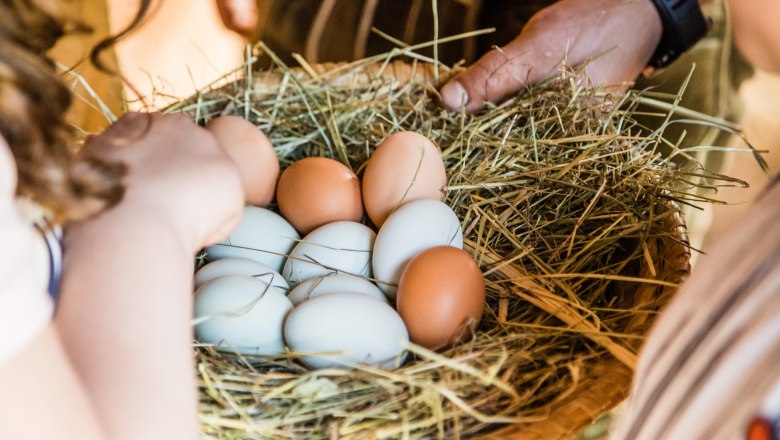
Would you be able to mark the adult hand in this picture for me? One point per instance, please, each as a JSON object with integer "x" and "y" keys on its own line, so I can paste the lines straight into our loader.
{"x": 615, "y": 37}
{"x": 239, "y": 15}
{"x": 176, "y": 173}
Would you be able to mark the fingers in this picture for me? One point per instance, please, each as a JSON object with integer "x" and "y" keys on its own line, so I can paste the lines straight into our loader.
{"x": 615, "y": 38}
{"x": 239, "y": 15}
{"x": 225, "y": 229}
{"x": 536, "y": 54}
{"x": 176, "y": 170}
{"x": 502, "y": 71}
{"x": 129, "y": 128}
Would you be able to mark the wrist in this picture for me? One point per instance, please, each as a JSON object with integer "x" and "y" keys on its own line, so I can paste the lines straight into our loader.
{"x": 142, "y": 223}
{"x": 683, "y": 24}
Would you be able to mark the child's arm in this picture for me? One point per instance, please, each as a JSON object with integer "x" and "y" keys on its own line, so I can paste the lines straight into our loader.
{"x": 42, "y": 396}
{"x": 125, "y": 309}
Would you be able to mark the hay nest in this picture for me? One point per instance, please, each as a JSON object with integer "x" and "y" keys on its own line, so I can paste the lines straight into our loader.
{"x": 567, "y": 204}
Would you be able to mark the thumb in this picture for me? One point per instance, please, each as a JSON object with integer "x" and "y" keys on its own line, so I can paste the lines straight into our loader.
{"x": 501, "y": 72}
{"x": 224, "y": 230}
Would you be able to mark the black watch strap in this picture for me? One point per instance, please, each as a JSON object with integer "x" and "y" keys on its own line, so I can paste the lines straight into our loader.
{"x": 683, "y": 25}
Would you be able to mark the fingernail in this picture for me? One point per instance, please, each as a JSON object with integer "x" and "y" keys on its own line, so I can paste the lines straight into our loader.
{"x": 454, "y": 95}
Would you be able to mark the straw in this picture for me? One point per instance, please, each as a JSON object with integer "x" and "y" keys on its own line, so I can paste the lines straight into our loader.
{"x": 561, "y": 194}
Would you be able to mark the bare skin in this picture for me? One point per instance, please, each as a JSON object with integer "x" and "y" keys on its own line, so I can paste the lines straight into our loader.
{"x": 756, "y": 33}
{"x": 239, "y": 16}
{"x": 43, "y": 397}
{"x": 616, "y": 37}
{"x": 125, "y": 308}
{"x": 117, "y": 360}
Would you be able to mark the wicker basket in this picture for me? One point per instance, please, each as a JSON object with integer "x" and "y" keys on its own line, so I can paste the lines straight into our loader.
{"x": 605, "y": 383}
{"x": 608, "y": 383}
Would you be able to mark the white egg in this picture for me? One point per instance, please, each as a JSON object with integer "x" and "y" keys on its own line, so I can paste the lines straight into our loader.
{"x": 241, "y": 313}
{"x": 339, "y": 329}
{"x": 339, "y": 246}
{"x": 262, "y": 235}
{"x": 411, "y": 229}
{"x": 240, "y": 266}
{"x": 334, "y": 283}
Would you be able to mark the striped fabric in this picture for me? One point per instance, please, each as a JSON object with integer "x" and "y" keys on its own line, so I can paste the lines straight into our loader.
{"x": 711, "y": 364}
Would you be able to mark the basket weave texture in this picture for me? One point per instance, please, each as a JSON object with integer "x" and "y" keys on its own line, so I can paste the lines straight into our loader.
{"x": 608, "y": 382}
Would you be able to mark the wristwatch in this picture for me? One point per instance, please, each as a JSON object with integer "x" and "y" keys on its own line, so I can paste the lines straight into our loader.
{"x": 683, "y": 25}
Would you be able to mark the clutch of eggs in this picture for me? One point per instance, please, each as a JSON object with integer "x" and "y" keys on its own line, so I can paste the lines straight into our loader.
{"x": 316, "y": 280}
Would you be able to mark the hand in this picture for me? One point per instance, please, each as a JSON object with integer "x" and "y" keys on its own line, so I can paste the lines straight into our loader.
{"x": 616, "y": 38}
{"x": 176, "y": 173}
{"x": 239, "y": 16}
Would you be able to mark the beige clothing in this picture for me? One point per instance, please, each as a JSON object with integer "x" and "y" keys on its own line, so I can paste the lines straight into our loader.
{"x": 712, "y": 361}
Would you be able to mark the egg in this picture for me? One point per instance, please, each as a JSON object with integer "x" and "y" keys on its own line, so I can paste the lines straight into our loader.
{"x": 339, "y": 246}
{"x": 241, "y": 313}
{"x": 262, "y": 235}
{"x": 240, "y": 266}
{"x": 252, "y": 152}
{"x": 315, "y": 191}
{"x": 339, "y": 329}
{"x": 334, "y": 283}
{"x": 441, "y": 296}
{"x": 411, "y": 229}
{"x": 405, "y": 167}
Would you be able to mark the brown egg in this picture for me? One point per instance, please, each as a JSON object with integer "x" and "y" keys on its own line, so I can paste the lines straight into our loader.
{"x": 251, "y": 150}
{"x": 316, "y": 191}
{"x": 405, "y": 167}
{"x": 441, "y": 296}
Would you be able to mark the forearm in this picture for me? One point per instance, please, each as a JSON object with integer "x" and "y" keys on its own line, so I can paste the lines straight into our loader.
{"x": 42, "y": 397}
{"x": 125, "y": 320}
{"x": 755, "y": 31}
